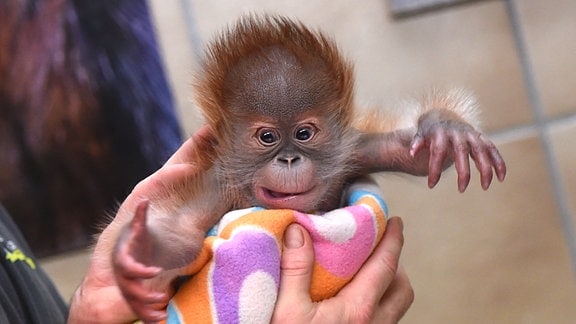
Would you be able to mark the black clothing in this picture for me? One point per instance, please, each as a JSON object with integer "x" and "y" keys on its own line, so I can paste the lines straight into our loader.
{"x": 27, "y": 295}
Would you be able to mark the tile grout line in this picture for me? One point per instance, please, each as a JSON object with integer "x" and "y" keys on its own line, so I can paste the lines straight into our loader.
{"x": 518, "y": 131}
{"x": 542, "y": 127}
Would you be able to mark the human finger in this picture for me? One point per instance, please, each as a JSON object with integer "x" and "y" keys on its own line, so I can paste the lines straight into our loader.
{"x": 372, "y": 280}
{"x": 397, "y": 300}
{"x": 295, "y": 275}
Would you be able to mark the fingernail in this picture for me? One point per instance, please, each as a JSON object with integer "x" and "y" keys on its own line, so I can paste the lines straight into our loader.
{"x": 293, "y": 237}
{"x": 400, "y": 222}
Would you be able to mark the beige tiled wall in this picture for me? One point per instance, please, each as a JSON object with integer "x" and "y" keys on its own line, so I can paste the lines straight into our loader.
{"x": 500, "y": 256}
{"x": 550, "y": 31}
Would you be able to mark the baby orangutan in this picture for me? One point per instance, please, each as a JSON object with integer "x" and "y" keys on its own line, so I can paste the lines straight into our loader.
{"x": 282, "y": 134}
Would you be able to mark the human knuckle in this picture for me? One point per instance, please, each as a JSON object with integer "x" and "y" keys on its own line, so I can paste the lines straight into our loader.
{"x": 395, "y": 310}
{"x": 409, "y": 295}
{"x": 363, "y": 313}
{"x": 388, "y": 266}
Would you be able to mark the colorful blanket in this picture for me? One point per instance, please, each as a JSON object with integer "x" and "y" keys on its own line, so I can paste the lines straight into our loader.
{"x": 236, "y": 277}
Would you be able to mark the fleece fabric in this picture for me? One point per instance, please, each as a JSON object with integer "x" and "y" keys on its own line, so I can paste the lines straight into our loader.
{"x": 236, "y": 277}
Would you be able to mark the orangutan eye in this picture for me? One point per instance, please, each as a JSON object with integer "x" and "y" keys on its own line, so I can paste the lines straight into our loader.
{"x": 304, "y": 134}
{"x": 268, "y": 137}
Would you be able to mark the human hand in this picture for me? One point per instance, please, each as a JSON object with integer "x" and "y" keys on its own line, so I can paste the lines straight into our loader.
{"x": 380, "y": 291}
{"x": 99, "y": 299}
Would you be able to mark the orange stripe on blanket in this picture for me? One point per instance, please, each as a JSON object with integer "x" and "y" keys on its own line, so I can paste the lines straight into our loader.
{"x": 273, "y": 221}
{"x": 193, "y": 298}
{"x": 377, "y": 209}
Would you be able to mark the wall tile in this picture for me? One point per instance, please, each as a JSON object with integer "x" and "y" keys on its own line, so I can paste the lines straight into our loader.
{"x": 469, "y": 46}
{"x": 563, "y": 138}
{"x": 549, "y": 28}
{"x": 411, "y": 7}
{"x": 486, "y": 257}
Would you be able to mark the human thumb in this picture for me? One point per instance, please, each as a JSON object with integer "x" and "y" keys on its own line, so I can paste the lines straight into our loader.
{"x": 296, "y": 265}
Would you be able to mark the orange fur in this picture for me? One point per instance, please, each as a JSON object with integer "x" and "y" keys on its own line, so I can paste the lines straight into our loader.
{"x": 252, "y": 34}
{"x": 461, "y": 103}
